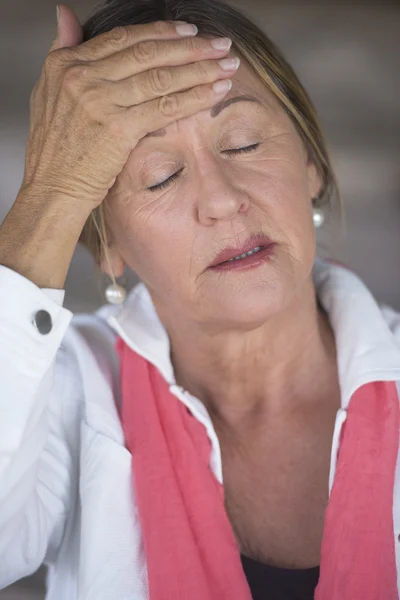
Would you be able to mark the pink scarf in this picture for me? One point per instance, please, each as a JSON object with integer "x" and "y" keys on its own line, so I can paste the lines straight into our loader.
{"x": 189, "y": 544}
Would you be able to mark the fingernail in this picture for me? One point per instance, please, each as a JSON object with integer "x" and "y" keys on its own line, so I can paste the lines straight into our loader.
{"x": 222, "y": 86}
{"x": 229, "y": 64}
{"x": 58, "y": 13}
{"x": 221, "y": 43}
{"x": 186, "y": 30}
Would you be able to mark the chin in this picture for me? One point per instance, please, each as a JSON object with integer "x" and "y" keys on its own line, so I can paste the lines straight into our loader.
{"x": 252, "y": 304}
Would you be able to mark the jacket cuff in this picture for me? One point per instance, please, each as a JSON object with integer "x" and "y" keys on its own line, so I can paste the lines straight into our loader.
{"x": 33, "y": 322}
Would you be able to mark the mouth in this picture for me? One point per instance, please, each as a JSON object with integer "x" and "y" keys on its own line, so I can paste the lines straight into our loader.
{"x": 254, "y": 247}
{"x": 250, "y": 261}
{"x": 255, "y": 250}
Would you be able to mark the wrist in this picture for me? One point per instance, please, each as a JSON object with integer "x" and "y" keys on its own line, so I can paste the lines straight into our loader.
{"x": 44, "y": 198}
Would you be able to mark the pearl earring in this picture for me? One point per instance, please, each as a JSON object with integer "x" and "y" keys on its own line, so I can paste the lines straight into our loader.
{"x": 115, "y": 293}
{"x": 318, "y": 217}
{"x": 318, "y": 214}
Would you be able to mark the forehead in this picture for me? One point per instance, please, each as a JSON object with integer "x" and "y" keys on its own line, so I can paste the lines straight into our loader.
{"x": 247, "y": 81}
{"x": 248, "y": 89}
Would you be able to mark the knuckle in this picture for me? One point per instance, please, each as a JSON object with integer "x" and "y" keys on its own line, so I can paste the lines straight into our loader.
{"x": 74, "y": 75}
{"x": 145, "y": 52}
{"x": 89, "y": 97}
{"x": 54, "y": 59}
{"x": 199, "y": 95}
{"x": 161, "y": 28}
{"x": 160, "y": 79}
{"x": 191, "y": 44}
{"x": 201, "y": 70}
{"x": 168, "y": 106}
{"x": 118, "y": 36}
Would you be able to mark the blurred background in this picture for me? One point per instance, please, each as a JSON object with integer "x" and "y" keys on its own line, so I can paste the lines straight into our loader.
{"x": 347, "y": 55}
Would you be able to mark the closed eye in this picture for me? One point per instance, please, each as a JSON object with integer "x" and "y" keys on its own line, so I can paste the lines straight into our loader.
{"x": 233, "y": 151}
{"x": 242, "y": 150}
{"x": 165, "y": 183}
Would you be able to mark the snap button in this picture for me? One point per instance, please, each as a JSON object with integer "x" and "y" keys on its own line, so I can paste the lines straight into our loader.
{"x": 42, "y": 321}
{"x": 398, "y": 538}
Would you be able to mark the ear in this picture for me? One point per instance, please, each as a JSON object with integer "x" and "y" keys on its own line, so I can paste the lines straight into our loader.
{"x": 314, "y": 179}
{"x": 115, "y": 260}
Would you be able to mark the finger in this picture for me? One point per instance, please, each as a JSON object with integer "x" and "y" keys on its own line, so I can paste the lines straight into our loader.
{"x": 151, "y": 54}
{"x": 69, "y": 29}
{"x": 119, "y": 38}
{"x": 167, "y": 80}
{"x": 162, "y": 111}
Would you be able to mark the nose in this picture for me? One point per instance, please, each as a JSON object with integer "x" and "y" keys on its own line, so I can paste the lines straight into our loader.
{"x": 218, "y": 199}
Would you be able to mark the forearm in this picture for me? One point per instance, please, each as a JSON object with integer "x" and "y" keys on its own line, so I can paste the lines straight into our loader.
{"x": 40, "y": 394}
{"x": 39, "y": 235}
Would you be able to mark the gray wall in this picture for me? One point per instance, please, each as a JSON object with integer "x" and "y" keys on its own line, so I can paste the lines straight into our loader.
{"x": 347, "y": 55}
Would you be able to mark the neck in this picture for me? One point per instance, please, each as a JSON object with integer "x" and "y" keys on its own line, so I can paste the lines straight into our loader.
{"x": 287, "y": 360}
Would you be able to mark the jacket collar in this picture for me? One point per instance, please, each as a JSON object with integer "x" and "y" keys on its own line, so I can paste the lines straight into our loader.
{"x": 366, "y": 348}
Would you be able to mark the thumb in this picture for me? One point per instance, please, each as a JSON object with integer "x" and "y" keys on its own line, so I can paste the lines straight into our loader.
{"x": 69, "y": 30}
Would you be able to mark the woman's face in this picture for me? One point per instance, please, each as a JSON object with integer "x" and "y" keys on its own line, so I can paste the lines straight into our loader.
{"x": 217, "y": 198}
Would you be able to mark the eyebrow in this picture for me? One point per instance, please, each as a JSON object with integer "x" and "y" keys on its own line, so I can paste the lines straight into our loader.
{"x": 214, "y": 112}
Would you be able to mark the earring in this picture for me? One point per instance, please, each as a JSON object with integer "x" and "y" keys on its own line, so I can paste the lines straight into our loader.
{"x": 318, "y": 216}
{"x": 115, "y": 293}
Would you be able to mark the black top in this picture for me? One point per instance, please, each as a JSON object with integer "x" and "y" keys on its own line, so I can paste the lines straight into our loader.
{"x": 271, "y": 583}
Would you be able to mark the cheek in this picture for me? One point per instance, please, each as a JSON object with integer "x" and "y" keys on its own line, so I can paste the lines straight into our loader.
{"x": 293, "y": 213}
{"x": 280, "y": 182}
{"x": 280, "y": 168}
{"x": 152, "y": 239}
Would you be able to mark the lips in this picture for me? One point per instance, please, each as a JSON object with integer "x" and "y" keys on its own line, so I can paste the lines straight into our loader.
{"x": 252, "y": 242}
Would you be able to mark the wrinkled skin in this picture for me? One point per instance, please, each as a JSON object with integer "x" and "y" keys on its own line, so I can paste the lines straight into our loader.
{"x": 169, "y": 238}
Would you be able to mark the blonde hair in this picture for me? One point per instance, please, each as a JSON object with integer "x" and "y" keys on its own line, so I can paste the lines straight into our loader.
{"x": 215, "y": 18}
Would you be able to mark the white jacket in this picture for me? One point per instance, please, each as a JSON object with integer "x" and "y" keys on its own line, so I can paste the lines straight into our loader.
{"x": 66, "y": 490}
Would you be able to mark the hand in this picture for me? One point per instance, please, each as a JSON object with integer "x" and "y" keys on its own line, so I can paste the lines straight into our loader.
{"x": 94, "y": 101}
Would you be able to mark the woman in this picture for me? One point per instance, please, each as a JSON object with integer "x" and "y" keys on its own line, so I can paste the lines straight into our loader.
{"x": 230, "y": 429}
